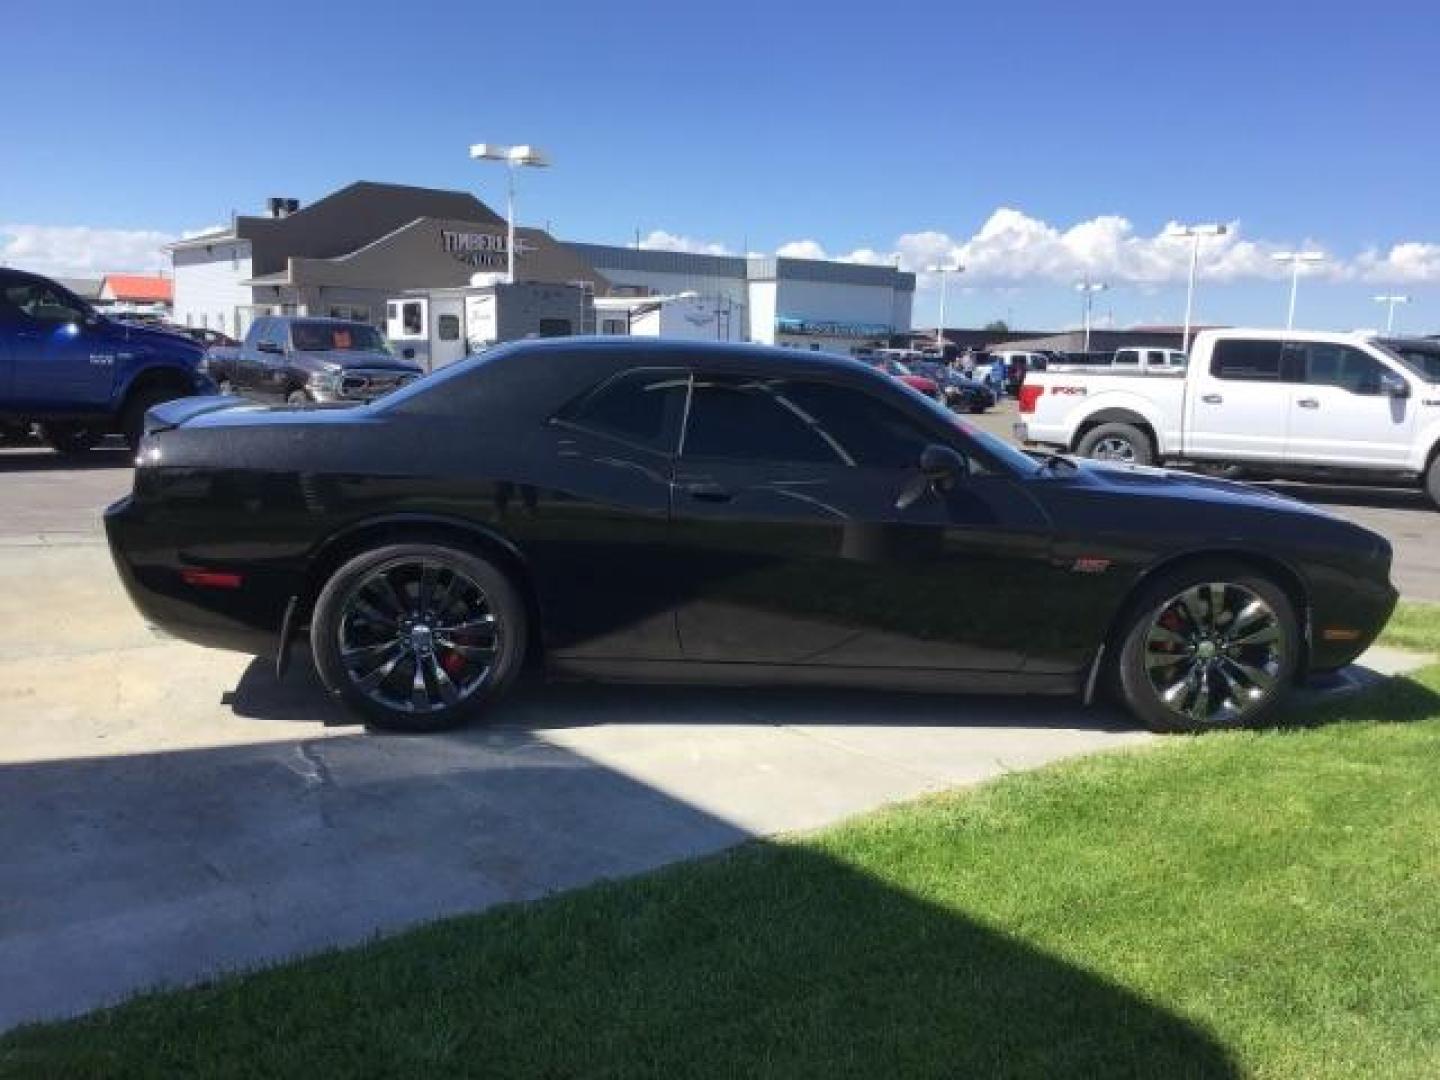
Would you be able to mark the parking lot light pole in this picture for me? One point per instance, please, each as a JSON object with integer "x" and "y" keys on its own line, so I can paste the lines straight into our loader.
{"x": 1296, "y": 259}
{"x": 1089, "y": 288}
{"x": 513, "y": 156}
{"x": 1390, "y": 300}
{"x": 1195, "y": 232}
{"x": 944, "y": 272}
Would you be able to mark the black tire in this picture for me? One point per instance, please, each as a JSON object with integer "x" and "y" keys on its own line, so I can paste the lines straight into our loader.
{"x": 1224, "y": 667}
{"x": 1122, "y": 443}
{"x": 978, "y": 408}
{"x": 70, "y": 440}
{"x": 351, "y": 592}
{"x": 132, "y": 418}
{"x": 297, "y": 397}
{"x": 1432, "y": 481}
{"x": 227, "y": 387}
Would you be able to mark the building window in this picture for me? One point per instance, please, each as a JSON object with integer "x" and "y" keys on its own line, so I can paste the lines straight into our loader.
{"x": 614, "y": 326}
{"x": 353, "y": 312}
{"x": 413, "y": 324}
{"x": 449, "y": 327}
{"x": 235, "y": 260}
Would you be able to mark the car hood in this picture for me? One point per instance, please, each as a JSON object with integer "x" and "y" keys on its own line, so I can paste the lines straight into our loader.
{"x": 174, "y": 345}
{"x": 355, "y": 358}
{"x": 1172, "y": 483}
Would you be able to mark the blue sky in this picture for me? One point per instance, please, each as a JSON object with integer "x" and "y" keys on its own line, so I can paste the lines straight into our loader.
{"x": 1036, "y": 142}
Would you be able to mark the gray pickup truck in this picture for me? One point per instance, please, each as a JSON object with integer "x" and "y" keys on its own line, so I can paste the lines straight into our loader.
{"x": 298, "y": 359}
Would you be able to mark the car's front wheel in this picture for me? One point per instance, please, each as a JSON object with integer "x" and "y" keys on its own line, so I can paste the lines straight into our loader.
{"x": 1214, "y": 645}
{"x": 418, "y": 637}
{"x": 1432, "y": 481}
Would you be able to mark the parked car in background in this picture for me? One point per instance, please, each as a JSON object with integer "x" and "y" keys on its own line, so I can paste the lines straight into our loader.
{"x": 203, "y": 335}
{"x": 959, "y": 392}
{"x": 896, "y": 370}
{"x": 678, "y": 510}
{"x": 1017, "y": 363}
{"x": 298, "y": 359}
{"x": 78, "y": 374}
{"x": 1301, "y": 405}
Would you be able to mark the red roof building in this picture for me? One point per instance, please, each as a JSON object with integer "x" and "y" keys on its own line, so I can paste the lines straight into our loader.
{"x": 137, "y": 289}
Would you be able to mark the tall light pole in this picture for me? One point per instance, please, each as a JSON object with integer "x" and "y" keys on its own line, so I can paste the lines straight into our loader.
{"x": 513, "y": 156}
{"x": 944, "y": 272}
{"x": 1296, "y": 259}
{"x": 1089, "y": 288}
{"x": 1390, "y": 300}
{"x": 1195, "y": 232}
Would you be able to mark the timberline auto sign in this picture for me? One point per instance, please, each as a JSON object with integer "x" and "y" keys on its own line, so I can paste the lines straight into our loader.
{"x": 481, "y": 249}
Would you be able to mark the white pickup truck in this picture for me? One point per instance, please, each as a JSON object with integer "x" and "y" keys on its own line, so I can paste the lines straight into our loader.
{"x": 1275, "y": 403}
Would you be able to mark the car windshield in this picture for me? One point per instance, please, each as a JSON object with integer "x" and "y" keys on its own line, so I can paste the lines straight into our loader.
{"x": 1422, "y": 359}
{"x": 336, "y": 337}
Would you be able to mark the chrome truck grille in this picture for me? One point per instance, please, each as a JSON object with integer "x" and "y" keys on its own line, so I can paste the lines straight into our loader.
{"x": 362, "y": 385}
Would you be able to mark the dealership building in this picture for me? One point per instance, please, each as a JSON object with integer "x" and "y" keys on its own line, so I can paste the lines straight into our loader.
{"x": 349, "y": 253}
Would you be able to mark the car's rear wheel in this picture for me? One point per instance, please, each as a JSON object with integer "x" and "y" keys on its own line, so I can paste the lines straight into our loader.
{"x": 71, "y": 439}
{"x": 1121, "y": 443}
{"x": 227, "y": 387}
{"x": 297, "y": 397}
{"x": 418, "y": 637}
{"x": 1214, "y": 645}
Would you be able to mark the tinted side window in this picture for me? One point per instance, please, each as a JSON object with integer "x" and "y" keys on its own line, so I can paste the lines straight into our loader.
{"x": 639, "y": 407}
{"x": 41, "y": 303}
{"x": 1321, "y": 364}
{"x": 1236, "y": 358}
{"x": 745, "y": 420}
{"x": 862, "y": 430}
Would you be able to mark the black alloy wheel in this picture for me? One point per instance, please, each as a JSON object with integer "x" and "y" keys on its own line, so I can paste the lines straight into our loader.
{"x": 1213, "y": 646}
{"x": 418, "y": 637}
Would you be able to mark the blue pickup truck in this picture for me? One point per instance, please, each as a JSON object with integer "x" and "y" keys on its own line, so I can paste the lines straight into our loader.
{"x": 79, "y": 375}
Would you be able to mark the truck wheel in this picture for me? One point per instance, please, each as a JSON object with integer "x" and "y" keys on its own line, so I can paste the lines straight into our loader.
{"x": 1432, "y": 481}
{"x": 132, "y": 420}
{"x": 1121, "y": 443}
{"x": 1212, "y": 645}
{"x": 71, "y": 440}
{"x": 418, "y": 637}
{"x": 297, "y": 397}
{"x": 227, "y": 387}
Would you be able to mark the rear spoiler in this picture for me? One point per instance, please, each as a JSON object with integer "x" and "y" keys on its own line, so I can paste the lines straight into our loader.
{"x": 173, "y": 414}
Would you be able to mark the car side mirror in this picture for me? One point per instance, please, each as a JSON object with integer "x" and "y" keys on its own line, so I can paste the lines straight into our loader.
{"x": 940, "y": 467}
{"x": 1394, "y": 386}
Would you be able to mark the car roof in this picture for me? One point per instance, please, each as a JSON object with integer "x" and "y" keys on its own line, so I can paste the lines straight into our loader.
{"x": 665, "y": 352}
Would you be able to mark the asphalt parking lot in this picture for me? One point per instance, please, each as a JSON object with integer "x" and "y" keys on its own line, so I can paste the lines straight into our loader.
{"x": 172, "y": 811}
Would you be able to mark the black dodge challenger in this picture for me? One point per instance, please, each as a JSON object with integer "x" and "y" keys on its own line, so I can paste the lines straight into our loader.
{"x": 668, "y": 511}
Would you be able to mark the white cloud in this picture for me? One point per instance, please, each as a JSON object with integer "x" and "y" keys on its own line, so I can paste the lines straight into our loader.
{"x": 80, "y": 251}
{"x": 660, "y": 240}
{"x": 801, "y": 249}
{"x": 1012, "y": 247}
{"x": 1410, "y": 263}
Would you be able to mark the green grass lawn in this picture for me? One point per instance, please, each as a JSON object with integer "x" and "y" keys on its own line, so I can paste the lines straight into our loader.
{"x": 1414, "y": 626}
{"x": 1262, "y": 903}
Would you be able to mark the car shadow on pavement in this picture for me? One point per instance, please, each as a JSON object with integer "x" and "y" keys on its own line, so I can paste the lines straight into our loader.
{"x": 539, "y": 704}
{"x": 133, "y": 871}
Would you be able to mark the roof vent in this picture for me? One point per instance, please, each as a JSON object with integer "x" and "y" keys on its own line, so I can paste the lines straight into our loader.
{"x": 282, "y": 207}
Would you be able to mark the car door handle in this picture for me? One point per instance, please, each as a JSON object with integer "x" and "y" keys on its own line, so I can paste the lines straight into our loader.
{"x": 1308, "y": 403}
{"x": 1212, "y": 399}
{"x": 708, "y": 491}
